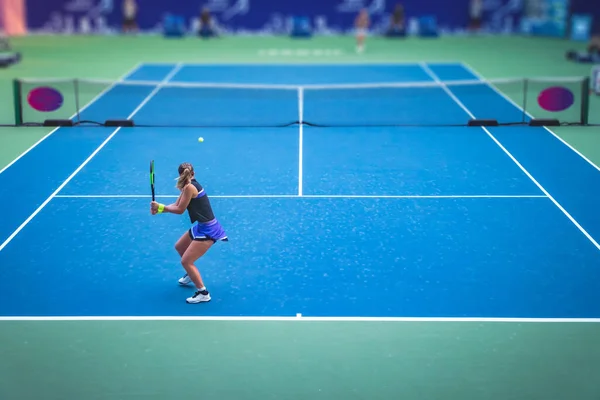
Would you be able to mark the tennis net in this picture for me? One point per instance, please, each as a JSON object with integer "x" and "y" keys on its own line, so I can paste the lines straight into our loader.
{"x": 173, "y": 104}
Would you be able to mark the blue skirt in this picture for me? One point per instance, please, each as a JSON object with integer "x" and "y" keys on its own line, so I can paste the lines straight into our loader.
{"x": 211, "y": 230}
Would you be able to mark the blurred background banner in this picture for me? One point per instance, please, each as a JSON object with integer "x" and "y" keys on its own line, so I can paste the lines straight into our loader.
{"x": 265, "y": 16}
{"x": 502, "y": 16}
{"x": 73, "y": 16}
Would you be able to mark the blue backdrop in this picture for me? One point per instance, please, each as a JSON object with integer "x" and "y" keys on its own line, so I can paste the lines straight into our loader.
{"x": 262, "y": 16}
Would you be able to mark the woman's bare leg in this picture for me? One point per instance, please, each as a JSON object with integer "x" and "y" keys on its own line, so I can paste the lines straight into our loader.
{"x": 183, "y": 243}
{"x": 194, "y": 251}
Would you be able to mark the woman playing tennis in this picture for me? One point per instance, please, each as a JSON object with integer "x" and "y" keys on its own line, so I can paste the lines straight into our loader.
{"x": 361, "y": 24}
{"x": 200, "y": 237}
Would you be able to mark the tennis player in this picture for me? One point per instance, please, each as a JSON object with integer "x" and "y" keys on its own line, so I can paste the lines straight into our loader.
{"x": 200, "y": 237}
{"x": 361, "y": 23}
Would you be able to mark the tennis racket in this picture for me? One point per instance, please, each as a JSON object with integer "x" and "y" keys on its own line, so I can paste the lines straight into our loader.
{"x": 152, "y": 179}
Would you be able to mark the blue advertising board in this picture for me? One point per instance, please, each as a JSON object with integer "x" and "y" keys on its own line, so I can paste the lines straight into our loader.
{"x": 260, "y": 16}
{"x": 546, "y": 18}
{"x": 581, "y": 27}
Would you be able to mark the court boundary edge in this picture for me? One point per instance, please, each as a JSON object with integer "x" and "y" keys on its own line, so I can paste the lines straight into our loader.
{"x": 122, "y": 78}
{"x": 300, "y": 317}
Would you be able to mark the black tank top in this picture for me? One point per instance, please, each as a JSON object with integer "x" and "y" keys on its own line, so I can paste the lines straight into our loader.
{"x": 199, "y": 208}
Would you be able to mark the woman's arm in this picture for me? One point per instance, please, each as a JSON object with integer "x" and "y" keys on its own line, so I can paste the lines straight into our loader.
{"x": 179, "y": 206}
{"x": 178, "y": 200}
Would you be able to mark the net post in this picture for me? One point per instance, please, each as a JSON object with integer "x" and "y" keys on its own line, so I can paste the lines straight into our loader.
{"x": 76, "y": 89}
{"x": 18, "y": 102}
{"x": 525, "y": 88}
{"x": 585, "y": 100}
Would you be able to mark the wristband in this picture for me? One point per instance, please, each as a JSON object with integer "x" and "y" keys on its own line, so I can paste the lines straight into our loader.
{"x": 161, "y": 208}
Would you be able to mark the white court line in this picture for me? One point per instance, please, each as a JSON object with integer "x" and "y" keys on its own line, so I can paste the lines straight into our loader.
{"x": 102, "y": 93}
{"x": 310, "y": 196}
{"x": 41, "y": 207}
{"x": 283, "y": 63}
{"x": 560, "y": 207}
{"x": 445, "y": 88}
{"x": 481, "y": 78}
{"x": 303, "y": 318}
{"x": 300, "y": 139}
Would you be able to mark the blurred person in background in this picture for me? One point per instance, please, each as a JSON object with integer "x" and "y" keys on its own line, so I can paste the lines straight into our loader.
{"x": 361, "y": 24}
{"x": 206, "y": 28}
{"x": 591, "y": 53}
{"x": 594, "y": 45}
{"x": 129, "y": 16}
{"x": 3, "y": 41}
{"x": 397, "y": 22}
{"x": 475, "y": 15}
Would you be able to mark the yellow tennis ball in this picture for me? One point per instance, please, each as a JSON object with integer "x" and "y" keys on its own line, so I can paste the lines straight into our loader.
{"x": 201, "y": 139}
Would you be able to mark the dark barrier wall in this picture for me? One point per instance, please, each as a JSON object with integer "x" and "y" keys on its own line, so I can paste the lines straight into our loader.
{"x": 267, "y": 16}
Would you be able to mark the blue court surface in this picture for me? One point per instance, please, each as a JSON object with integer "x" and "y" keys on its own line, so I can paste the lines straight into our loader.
{"x": 344, "y": 221}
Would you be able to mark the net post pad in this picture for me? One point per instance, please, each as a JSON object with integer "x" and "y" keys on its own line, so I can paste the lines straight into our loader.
{"x": 544, "y": 122}
{"x": 483, "y": 122}
{"x": 127, "y": 123}
{"x": 58, "y": 122}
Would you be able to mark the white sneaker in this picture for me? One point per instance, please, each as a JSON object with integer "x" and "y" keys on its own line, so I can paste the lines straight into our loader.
{"x": 185, "y": 280}
{"x": 199, "y": 297}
